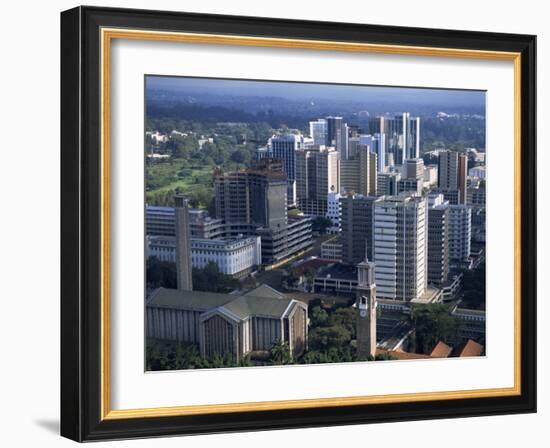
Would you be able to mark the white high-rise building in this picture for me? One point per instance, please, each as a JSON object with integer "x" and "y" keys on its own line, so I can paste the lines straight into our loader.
{"x": 318, "y": 131}
{"x": 460, "y": 234}
{"x": 377, "y": 144}
{"x": 333, "y": 211}
{"x": 400, "y": 247}
{"x": 283, "y": 148}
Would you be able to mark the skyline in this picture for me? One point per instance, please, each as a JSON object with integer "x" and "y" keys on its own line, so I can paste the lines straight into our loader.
{"x": 317, "y": 92}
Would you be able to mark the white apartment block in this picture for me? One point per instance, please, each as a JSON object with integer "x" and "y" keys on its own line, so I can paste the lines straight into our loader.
{"x": 333, "y": 211}
{"x": 400, "y": 247}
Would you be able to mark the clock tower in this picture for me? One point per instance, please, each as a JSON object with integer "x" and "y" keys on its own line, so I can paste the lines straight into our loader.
{"x": 366, "y": 304}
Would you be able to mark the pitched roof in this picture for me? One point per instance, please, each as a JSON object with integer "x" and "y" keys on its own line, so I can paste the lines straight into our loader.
{"x": 470, "y": 348}
{"x": 195, "y": 300}
{"x": 441, "y": 350}
{"x": 246, "y": 306}
{"x": 270, "y": 303}
{"x": 265, "y": 291}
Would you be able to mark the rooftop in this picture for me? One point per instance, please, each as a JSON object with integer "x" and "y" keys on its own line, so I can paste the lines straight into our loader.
{"x": 441, "y": 350}
{"x": 470, "y": 348}
{"x": 263, "y": 301}
{"x": 339, "y": 271}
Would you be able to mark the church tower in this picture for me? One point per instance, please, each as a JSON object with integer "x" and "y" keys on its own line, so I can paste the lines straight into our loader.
{"x": 366, "y": 304}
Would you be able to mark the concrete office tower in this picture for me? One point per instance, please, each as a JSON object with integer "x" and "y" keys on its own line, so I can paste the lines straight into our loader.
{"x": 460, "y": 234}
{"x": 359, "y": 175}
{"x": 256, "y": 196}
{"x": 183, "y": 245}
{"x": 366, "y": 304}
{"x": 413, "y": 169}
{"x": 413, "y": 176}
{"x": 452, "y": 171}
{"x": 318, "y": 131}
{"x": 283, "y": 148}
{"x": 387, "y": 184}
{"x": 317, "y": 174}
{"x": 430, "y": 175}
{"x": 353, "y": 144}
{"x": 413, "y": 186}
{"x": 337, "y": 135}
{"x": 356, "y": 222}
{"x": 400, "y": 246}
{"x": 463, "y": 177}
{"x": 438, "y": 239}
{"x": 376, "y": 144}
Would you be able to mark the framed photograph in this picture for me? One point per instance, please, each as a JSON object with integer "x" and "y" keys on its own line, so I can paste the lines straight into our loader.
{"x": 276, "y": 224}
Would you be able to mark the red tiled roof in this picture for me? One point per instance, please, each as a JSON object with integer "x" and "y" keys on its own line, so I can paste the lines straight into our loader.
{"x": 470, "y": 348}
{"x": 400, "y": 355}
{"x": 441, "y": 350}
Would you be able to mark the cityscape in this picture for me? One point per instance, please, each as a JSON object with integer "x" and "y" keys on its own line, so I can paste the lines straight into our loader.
{"x": 303, "y": 223}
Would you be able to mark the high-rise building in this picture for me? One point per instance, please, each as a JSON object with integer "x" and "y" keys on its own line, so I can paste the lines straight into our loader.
{"x": 438, "y": 239}
{"x": 413, "y": 186}
{"x": 377, "y": 144}
{"x": 402, "y": 133}
{"x": 317, "y": 174}
{"x": 183, "y": 245}
{"x": 356, "y": 222}
{"x": 413, "y": 169}
{"x": 333, "y": 211}
{"x": 462, "y": 177}
{"x": 318, "y": 131}
{"x": 353, "y": 144}
{"x": 254, "y": 196}
{"x": 452, "y": 174}
{"x": 337, "y": 135}
{"x": 387, "y": 184}
{"x": 430, "y": 175}
{"x": 283, "y": 148}
{"x": 366, "y": 305}
{"x": 400, "y": 246}
{"x": 359, "y": 174}
{"x": 460, "y": 234}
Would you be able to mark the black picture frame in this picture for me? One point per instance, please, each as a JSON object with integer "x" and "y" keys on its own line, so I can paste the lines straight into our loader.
{"x": 81, "y": 224}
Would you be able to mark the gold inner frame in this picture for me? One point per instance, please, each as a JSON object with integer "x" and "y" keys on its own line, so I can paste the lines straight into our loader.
{"x": 107, "y": 35}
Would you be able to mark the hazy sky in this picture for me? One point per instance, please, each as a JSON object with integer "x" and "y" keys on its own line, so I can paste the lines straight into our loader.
{"x": 314, "y": 91}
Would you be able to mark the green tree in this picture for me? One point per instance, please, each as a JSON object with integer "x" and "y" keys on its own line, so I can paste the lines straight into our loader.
{"x": 318, "y": 317}
{"x": 279, "y": 353}
{"x": 210, "y": 278}
{"x": 160, "y": 273}
{"x": 324, "y": 338}
{"x": 473, "y": 288}
{"x": 433, "y": 323}
{"x": 321, "y": 224}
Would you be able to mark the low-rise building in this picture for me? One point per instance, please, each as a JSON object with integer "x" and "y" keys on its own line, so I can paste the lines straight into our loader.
{"x": 236, "y": 257}
{"x": 336, "y": 279}
{"x": 222, "y": 324}
{"x": 332, "y": 249}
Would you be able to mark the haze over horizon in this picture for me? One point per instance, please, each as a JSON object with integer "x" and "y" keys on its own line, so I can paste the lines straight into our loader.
{"x": 299, "y": 91}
